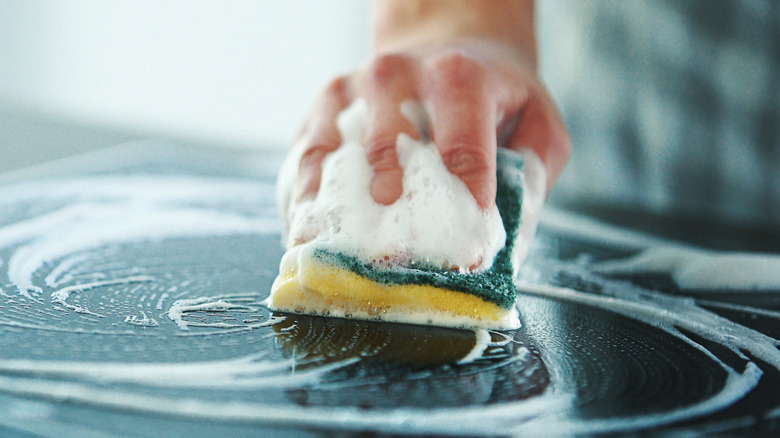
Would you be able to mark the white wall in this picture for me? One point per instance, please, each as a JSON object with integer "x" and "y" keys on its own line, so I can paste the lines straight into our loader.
{"x": 234, "y": 71}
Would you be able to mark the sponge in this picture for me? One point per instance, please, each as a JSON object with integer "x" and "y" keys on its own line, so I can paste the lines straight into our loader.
{"x": 451, "y": 264}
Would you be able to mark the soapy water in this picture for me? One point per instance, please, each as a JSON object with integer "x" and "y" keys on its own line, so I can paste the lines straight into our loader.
{"x": 143, "y": 295}
{"x": 401, "y": 228}
{"x": 403, "y": 233}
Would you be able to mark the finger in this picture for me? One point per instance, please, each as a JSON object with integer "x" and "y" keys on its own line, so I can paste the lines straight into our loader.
{"x": 541, "y": 128}
{"x": 321, "y": 136}
{"x": 464, "y": 123}
{"x": 387, "y": 82}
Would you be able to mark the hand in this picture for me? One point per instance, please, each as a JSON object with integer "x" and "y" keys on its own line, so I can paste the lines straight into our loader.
{"x": 478, "y": 92}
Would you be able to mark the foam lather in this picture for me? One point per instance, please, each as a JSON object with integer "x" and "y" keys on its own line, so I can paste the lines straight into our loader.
{"x": 433, "y": 257}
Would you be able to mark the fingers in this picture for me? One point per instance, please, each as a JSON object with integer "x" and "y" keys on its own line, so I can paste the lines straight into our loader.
{"x": 322, "y": 136}
{"x": 463, "y": 97}
{"x": 541, "y": 128}
{"x": 464, "y": 123}
{"x": 387, "y": 82}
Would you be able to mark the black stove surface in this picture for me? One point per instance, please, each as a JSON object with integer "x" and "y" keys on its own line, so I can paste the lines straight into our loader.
{"x": 131, "y": 290}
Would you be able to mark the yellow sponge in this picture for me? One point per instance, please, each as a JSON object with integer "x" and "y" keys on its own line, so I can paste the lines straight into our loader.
{"x": 316, "y": 287}
{"x": 328, "y": 282}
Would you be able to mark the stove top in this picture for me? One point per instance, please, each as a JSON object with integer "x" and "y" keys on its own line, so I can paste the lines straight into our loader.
{"x": 132, "y": 282}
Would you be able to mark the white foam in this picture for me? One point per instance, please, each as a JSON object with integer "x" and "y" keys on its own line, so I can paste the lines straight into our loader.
{"x": 735, "y": 387}
{"x": 241, "y": 373}
{"x": 436, "y": 218}
{"x": 81, "y": 215}
{"x": 487, "y": 420}
{"x": 694, "y": 269}
{"x": 575, "y": 224}
{"x": 90, "y": 226}
{"x": 142, "y": 321}
{"x": 481, "y": 343}
{"x": 181, "y": 307}
{"x": 104, "y": 210}
{"x": 691, "y": 268}
{"x": 61, "y": 296}
{"x": 668, "y": 313}
{"x": 436, "y": 221}
{"x": 546, "y": 414}
{"x": 62, "y": 270}
{"x": 149, "y": 188}
{"x": 483, "y": 339}
{"x": 162, "y": 299}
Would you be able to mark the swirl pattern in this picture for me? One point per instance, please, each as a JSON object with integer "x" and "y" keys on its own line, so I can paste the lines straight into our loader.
{"x": 133, "y": 291}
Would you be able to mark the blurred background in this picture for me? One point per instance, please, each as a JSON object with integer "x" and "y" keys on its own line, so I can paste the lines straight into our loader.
{"x": 673, "y": 107}
{"x": 238, "y": 72}
{"x": 242, "y": 72}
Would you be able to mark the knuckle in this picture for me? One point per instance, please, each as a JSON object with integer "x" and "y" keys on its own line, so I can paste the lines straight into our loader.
{"x": 385, "y": 67}
{"x": 313, "y": 155}
{"x": 381, "y": 153}
{"x": 456, "y": 69}
{"x": 338, "y": 87}
{"x": 466, "y": 161}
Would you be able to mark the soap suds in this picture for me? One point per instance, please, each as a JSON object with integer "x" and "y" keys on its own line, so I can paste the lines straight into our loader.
{"x": 106, "y": 211}
{"x": 241, "y": 373}
{"x": 61, "y": 296}
{"x": 669, "y": 313}
{"x": 142, "y": 321}
{"x": 481, "y": 343}
{"x": 98, "y": 225}
{"x": 691, "y": 268}
{"x": 436, "y": 217}
{"x": 161, "y": 300}
{"x": 549, "y": 413}
{"x": 180, "y": 308}
{"x": 434, "y": 231}
{"x": 583, "y": 227}
{"x": 64, "y": 267}
{"x": 701, "y": 270}
{"x": 483, "y": 340}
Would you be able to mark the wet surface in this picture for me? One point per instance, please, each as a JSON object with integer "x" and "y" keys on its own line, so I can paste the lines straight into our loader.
{"x": 131, "y": 289}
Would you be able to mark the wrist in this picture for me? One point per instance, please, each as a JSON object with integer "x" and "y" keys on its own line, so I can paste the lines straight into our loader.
{"x": 402, "y": 25}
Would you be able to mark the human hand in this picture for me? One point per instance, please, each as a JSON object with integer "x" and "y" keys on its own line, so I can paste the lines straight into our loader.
{"x": 478, "y": 92}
